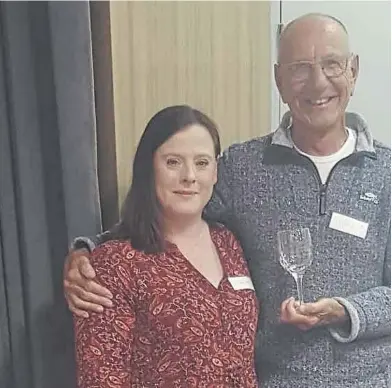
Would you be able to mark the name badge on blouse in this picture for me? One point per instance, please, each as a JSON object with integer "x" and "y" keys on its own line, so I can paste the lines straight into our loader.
{"x": 241, "y": 283}
{"x": 348, "y": 225}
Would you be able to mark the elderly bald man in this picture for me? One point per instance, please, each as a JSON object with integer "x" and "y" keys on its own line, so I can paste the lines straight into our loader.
{"x": 321, "y": 169}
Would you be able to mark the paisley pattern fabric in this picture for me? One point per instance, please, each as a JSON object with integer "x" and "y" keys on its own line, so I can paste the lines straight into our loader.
{"x": 169, "y": 326}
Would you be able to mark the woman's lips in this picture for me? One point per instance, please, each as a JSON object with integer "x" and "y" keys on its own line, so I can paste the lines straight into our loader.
{"x": 183, "y": 192}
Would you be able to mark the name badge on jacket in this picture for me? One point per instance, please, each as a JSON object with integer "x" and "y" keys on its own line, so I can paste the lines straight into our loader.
{"x": 241, "y": 283}
{"x": 348, "y": 225}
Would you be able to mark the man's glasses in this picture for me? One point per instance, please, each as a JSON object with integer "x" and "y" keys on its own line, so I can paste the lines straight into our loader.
{"x": 302, "y": 70}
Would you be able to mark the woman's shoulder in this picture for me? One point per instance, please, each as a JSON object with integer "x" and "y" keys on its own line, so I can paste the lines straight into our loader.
{"x": 222, "y": 231}
{"x": 113, "y": 246}
{"x": 230, "y": 245}
{"x": 225, "y": 238}
{"x": 114, "y": 252}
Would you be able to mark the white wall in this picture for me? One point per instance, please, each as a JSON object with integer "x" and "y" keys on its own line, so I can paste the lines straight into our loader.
{"x": 369, "y": 27}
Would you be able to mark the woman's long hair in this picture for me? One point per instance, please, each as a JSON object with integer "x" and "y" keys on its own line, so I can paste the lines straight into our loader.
{"x": 140, "y": 215}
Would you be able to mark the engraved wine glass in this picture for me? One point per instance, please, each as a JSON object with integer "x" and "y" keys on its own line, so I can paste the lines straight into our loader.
{"x": 295, "y": 254}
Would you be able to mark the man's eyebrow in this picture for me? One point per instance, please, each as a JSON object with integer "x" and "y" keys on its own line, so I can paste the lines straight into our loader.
{"x": 336, "y": 55}
{"x": 327, "y": 56}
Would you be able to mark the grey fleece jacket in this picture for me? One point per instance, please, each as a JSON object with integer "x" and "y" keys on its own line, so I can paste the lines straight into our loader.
{"x": 264, "y": 186}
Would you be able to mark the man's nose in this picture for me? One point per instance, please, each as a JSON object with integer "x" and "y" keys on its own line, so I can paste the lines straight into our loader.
{"x": 317, "y": 77}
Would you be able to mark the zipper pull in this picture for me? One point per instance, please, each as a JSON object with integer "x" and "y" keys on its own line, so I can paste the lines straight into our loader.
{"x": 322, "y": 204}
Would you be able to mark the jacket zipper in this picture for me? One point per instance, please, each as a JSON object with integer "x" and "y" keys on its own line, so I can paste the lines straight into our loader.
{"x": 323, "y": 186}
{"x": 323, "y": 202}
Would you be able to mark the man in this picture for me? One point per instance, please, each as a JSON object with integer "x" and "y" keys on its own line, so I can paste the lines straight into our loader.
{"x": 320, "y": 169}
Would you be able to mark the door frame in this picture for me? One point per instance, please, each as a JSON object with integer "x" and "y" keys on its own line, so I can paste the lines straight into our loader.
{"x": 276, "y": 103}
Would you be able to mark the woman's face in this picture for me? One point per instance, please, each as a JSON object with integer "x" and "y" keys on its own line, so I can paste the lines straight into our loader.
{"x": 185, "y": 172}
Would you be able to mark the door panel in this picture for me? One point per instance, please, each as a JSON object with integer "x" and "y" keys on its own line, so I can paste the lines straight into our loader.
{"x": 213, "y": 55}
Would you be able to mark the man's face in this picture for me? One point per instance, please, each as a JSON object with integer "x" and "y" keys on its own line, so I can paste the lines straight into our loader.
{"x": 316, "y": 74}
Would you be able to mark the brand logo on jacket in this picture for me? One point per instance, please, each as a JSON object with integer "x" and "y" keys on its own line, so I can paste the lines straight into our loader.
{"x": 369, "y": 197}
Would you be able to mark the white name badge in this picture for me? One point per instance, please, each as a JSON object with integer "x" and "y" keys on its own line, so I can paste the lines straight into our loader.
{"x": 241, "y": 283}
{"x": 348, "y": 225}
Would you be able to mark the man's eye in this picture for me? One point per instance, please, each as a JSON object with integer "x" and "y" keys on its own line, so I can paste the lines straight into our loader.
{"x": 299, "y": 67}
{"x": 332, "y": 64}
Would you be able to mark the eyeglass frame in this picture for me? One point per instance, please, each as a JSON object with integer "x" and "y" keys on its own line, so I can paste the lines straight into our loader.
{"x": 346, "y": 60}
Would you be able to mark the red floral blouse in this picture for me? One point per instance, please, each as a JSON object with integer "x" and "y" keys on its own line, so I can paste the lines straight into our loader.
{"x": 169, "y": 326}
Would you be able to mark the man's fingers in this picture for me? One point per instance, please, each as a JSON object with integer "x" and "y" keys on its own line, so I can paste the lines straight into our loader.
{"x": 294, "y": 317}
{"x": 100, "y": 291}
{"x": 311, "y": 308}
{"x": 78, "y": 294}
{"x": 83, "y": 288}
{"x": 303, "y": 321}
{"x": 283, "y": 311}
{"x": 77, "y": 312}
{"x": 291, "y": 314}
{"x": 77, "y": 303}
{"x": 74, "y": 280}
{"x": 285, "y": 303}
{"x": 82, "y": 293}
{"x": 72, "y": 277}
{"x": 292, "y": 307}
{"x": 307, "y": 315}
{"x": 74, "y": 310}
{"x": 85, "y": 267}
{"x": 283, "y": 318}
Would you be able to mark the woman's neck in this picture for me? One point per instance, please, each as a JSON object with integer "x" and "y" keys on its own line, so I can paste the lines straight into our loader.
{"x": 184, "y": 227}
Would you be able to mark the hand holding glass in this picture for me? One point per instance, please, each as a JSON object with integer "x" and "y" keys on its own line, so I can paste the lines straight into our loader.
{"x": 295, "y": 254}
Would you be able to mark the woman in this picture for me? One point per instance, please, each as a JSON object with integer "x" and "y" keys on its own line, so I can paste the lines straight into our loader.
{"x": 184, "y": 309}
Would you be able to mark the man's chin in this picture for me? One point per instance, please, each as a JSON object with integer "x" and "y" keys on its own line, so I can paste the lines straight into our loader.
{"x": 319, "y": 123}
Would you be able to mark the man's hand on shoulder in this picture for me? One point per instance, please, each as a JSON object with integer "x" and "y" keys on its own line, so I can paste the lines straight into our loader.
{"x": 82, "y": 293}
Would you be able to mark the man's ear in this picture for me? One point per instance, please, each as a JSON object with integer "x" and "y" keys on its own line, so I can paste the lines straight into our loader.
{"x": 354, "y": 71}
{"x": 277, "y": 76}
{"x": 355, "y": 67}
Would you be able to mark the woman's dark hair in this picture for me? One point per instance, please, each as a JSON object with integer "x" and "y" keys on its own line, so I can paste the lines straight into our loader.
{"x": 140, "y": 214}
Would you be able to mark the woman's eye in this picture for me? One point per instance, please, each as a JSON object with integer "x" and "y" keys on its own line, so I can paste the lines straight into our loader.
{"x": 202, "y": 163}
{"x": 172, "y": 162}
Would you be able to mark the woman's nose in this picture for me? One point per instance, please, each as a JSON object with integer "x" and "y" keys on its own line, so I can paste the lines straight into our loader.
{"x": 189, "y": 174}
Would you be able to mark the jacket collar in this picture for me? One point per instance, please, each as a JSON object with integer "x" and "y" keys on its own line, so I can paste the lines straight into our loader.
{"x": 364, "y": 143}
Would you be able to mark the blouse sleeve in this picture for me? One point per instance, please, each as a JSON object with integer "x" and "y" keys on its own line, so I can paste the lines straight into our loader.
{"x": 104, "y": 341}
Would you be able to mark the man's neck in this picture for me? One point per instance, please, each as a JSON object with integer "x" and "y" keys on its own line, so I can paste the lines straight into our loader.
{"x": 319, "y": 143}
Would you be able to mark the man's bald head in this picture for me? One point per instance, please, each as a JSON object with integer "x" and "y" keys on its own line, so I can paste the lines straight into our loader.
{"x": 307, "y": 26}
{"x": 316, "y": 72}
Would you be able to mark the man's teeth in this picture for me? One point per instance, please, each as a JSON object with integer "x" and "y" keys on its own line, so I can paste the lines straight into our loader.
{"x": 321, "y": 101}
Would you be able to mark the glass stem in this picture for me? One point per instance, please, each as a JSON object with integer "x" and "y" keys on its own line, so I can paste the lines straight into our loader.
{"x": 298, "y": 281}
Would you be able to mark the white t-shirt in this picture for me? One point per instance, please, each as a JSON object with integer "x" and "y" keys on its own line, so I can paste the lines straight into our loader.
{"x": 325, "y": 164}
